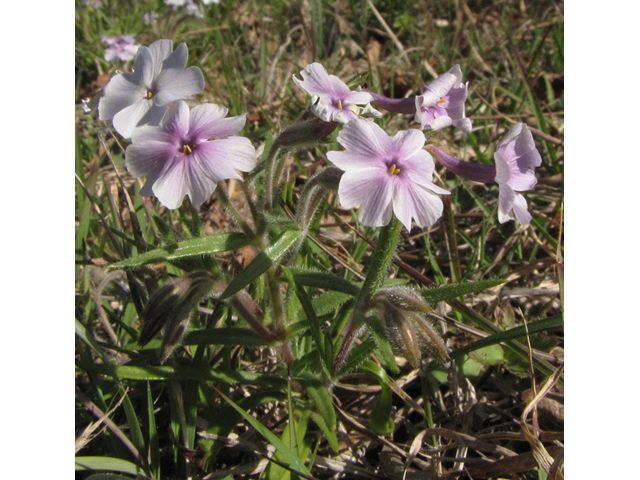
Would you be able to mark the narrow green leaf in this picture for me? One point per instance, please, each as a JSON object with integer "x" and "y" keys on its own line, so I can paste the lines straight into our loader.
{"x": 380, "y": 419}
{"x": 329, "y": 434}
{"x": 127, "y": 372}
{"x": 106, "y": 463}
{"x": 513, "y": 333}
{"x": 447, "y": 292}
{"x": 288, "y": 453}
{"x": 194, "y": 247}
{"x": 261, "y": 263}
{"x": 321, "y": 398}
{"x": 358, "y": 354}
{"x": 154, "y": 446}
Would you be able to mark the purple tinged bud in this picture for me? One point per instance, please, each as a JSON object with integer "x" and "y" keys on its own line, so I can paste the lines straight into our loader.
{"x": 169, "y": 308}
{"x": 476, "y": 172}
{"x": 394, "y": 105}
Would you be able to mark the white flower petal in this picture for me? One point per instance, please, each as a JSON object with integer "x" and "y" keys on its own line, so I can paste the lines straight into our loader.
{"x": 126, "y": 120}
{"x": 175, "y": 85}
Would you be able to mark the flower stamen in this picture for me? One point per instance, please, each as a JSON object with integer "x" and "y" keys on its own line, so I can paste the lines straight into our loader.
{"x": 340, "y": 104}
{"x": 393, "y": 170}
{"x": 149, "y": 94}
{"x": 442, "y": 100}
{"x": 186, "y": 149}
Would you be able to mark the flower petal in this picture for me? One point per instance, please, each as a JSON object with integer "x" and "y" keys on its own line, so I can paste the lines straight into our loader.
{"x": 177, "y": 59}
{"x": 127, "y": 119}
{"x": 182, "y": 176}
{"x": 441, "y": 85}
{"x": 371, "y": 189}
{"x": 119, "y": 93}
{"x": 506, "y": 199}
{"x": 520, "y": 209}
{"x": 208, "y": 121}
{"x": 175, "y": 85}
{"x": 409, "y": 142}
{"x": 159, "y": 50}
{"x": 315, "y": 80}
{"x": 412, "y": 200}
{"x": 221, "y": 158}
{"x": 365, "y": 143}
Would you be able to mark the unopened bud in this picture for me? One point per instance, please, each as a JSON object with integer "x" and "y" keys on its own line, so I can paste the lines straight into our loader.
{"x": 169, "y": 308}
{"x": 410, "y": 332}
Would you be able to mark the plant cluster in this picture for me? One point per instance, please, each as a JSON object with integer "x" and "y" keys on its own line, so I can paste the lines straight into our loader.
{"x": 258, "y": 305}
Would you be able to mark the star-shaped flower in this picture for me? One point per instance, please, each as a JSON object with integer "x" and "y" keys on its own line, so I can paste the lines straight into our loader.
{"x": 178, "y": 158}
{"x": 442, "y": 102}
{"x": 331, "y": 98}
{"x": 142, "y": 97}
{"x": 387, "y": 174}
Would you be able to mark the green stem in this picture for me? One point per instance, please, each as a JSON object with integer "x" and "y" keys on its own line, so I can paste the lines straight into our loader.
{"x": 380, "y": 261}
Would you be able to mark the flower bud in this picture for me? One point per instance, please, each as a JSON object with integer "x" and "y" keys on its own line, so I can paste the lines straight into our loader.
{"x": 410, "y": 332}
{"x": 169, "y": 308}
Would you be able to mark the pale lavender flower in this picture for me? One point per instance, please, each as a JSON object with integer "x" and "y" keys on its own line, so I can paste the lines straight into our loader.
{"x": 178, "y": 158}
{"x": 514, "y": 157}
{"x": 174, "y": 4}
{"x": 142, "y": 97}
{"x": 122, "y": 48}
{"x": 442, "y": 102}
{"x": 387, "y": 174}
{"x": 192, "y": 9}
{"x": 150, "y": 18}
{"x": 331, "y": 98}
{"x": 92, "y": 3}
{"x": 209, "y": 2}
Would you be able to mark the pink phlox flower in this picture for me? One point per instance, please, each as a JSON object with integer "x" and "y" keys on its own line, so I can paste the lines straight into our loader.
{"x": 331, "y": 98}
{"x": 189, "y": 153}
{"x": 142, "y": 97}
{"x": 387, "y": 174}
{"x": 442, "y": 102}
{"x": 514, "y": 157}
{"x": 122, "y": 47}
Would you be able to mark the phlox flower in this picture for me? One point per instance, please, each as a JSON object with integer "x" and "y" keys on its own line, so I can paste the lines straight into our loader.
{"x": 442, "y": 102}
{"x": 387, "y": 174}
{"x": 513, "y": 157}
{"x": 122, "y": 48}
{"x": 186, "y": 155}
{"x": 142, "y": 97}
{"x": 331, "y": 98}
{"x": 150, "y": 18}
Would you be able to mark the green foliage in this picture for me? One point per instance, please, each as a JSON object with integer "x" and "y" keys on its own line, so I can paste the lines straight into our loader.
{"x": 285, "y": 358}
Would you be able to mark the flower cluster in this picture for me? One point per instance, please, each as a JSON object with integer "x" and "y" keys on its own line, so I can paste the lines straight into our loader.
{"x": 388, "y": 175}
{"x": 181, "y": 151}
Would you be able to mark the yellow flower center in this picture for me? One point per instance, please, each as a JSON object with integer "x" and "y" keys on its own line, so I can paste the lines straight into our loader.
{"x": 393, "y": 170}
{"x": 149, "y": 94}
{"x": 186, "y": 149}
{"x": 340, "y": 104}
{"x": 442, "y": 100}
